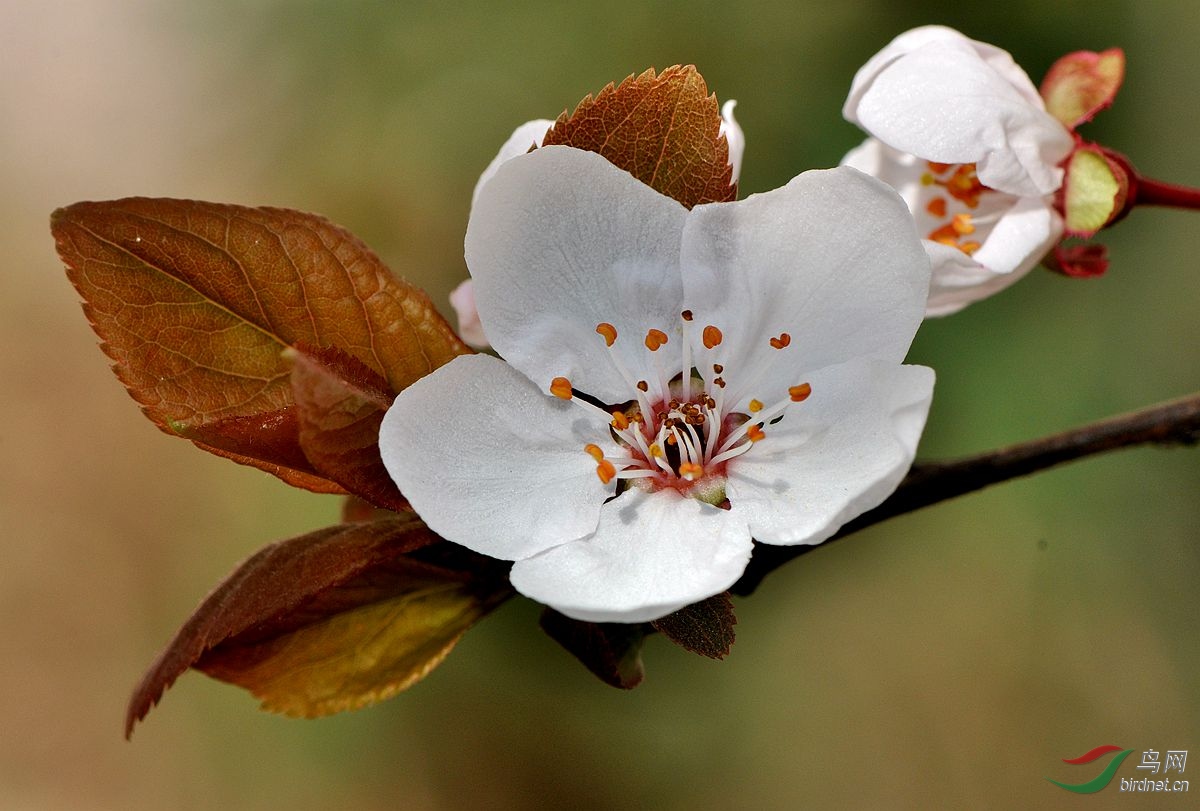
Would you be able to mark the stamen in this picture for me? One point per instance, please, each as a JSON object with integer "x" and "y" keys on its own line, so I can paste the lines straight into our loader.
{"x": 654, "y": 339}
{"x": 606, "y": 471}
{"x": 561, "y": 387}
{"x": 937, "y": 207}
{"x": 643, "y": 386}
{"x": 755, "y": 433}
{"x": 620, "y": 421}
{"x": 594, "y": 452}
{"x": 756, "y": 406}
{"x": 659, "y": 457}
{"x": 719, "y": 382}
{"x": 796, "y": 394}
{"x": 691, "y": 471}
{"x": 783, "y": 340}
{"x": 608, "y": 331}
{"x": 718, "y": 368}
{"x": 712, "y": 337}
{"x": 686, "y": 315}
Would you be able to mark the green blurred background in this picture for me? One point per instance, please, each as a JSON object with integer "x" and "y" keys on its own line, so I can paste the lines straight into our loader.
{"x": 945, "y": 659}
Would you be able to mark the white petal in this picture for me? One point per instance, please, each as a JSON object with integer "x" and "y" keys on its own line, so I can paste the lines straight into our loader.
{"x": 653, "y": 553}
{"x": 734, "y": 137}
{"x": 832, "y": 259}
{"x": 900, "y": 170}
{"x": 943, "y": 101}
{"x": 834, "y": 456}
{"x": 524, "y": 138}
{"x": 1000, "y": 60}
{"x": 870, "y": 158}
{"x": 470, "y": 329}
{"x": 1015, "y": 245}
{"x": 559, "y": 241}
{"x": 490, "y": 462}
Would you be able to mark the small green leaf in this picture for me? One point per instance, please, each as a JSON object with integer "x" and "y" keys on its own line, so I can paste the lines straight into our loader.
{"x": 1094, "y": 191}
{"x": 1081, "y": 84}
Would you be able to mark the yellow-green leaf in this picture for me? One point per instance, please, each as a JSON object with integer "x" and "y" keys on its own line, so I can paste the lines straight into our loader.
{"x": 354, "y": 658}
{"x": 1081, "y": 84}
{"x": 1095, "y": 189}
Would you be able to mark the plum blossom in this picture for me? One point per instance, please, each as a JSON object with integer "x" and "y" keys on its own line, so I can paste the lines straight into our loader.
{"x": 524, "y": 138}
{"x": 674, "y": 383}
{"x": 960, "y": 131}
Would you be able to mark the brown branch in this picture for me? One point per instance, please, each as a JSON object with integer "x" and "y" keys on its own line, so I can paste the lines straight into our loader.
{"x": 1172, "y": 423}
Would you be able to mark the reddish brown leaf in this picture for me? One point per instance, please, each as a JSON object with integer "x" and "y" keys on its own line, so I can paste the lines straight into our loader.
{"x": 269, "y": 441}
{"x": 195, "y": 301}
{"x": 1080, "y": 261}
{"x": 356, "y": 510}
{"x": 340, "y": 403}
{"x": 664, "y": 130}
{"x": 324, "y": 596}
{"x": 705, "y": 627}
{"x": 612, "y": 651}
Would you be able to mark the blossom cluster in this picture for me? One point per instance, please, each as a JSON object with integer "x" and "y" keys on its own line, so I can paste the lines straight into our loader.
{"x": 674, "y": 384}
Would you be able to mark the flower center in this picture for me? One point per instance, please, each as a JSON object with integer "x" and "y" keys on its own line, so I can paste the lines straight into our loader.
{"x": 676, "y": 430}
{"x": 953, "y": 196}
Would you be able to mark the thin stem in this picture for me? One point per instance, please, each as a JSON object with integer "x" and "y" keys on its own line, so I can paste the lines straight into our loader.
{"x": 1152, "y": 192}
{"x": 1176, "y": 422}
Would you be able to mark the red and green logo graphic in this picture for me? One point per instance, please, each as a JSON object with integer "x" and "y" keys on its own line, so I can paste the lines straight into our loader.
{"x": 1101, "y": 780}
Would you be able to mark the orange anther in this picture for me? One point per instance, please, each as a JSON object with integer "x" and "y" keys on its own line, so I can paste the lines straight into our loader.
{"x": 755, "y": 433}
{"x": 608, "y": 331}
{"x": 969, "y": 247}
{"x": 938, "y": 168}
{"x": 755, "y": 406}
{"x": 691, "y": 471}
{"x": 594, "y": 452}
{"x": 606, "y": 472}
{"x": 937, "y": 207}
{"x": 783, "y": 340}
{"x": 561, "y": 387}
{"x": 655, "y": 338}
{"x": 799, "y": 393}
{"x": 962, "y": 224}
{"x": 964, "y": 185}
{"x": 712, "y": 336}
{"x": 656, "y": 450}
{"x": 620, "y": 421}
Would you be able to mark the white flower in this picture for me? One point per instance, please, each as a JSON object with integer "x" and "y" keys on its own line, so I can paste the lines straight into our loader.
{"x": 524, "y": 138}
{"x": 961, "y": 132}
{"x": 623, "y": 484}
